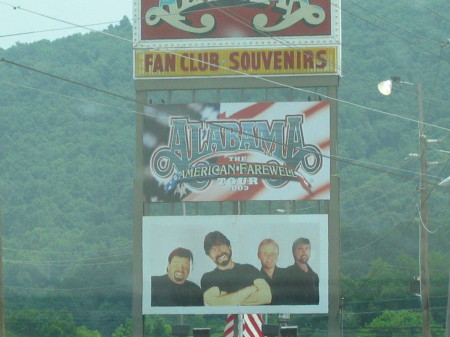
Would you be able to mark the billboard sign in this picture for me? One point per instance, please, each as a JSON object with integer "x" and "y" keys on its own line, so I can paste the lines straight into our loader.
{"x": 200, "y": 265}
{"x": 237, "y": 151}
{"x": 190, "y": 38}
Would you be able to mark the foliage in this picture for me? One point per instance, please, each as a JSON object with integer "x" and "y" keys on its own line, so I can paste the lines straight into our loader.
{"x": 401, "y": 323}
{"x": 159, "y": 328}
{"x": 124, "y": 330}
{"x": 48, "y": 323}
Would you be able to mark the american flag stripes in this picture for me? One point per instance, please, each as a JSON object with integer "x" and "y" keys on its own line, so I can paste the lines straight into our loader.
{"x": 251, "y": 326}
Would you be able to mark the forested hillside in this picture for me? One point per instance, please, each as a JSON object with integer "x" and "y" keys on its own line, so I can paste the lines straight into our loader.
{"x": 67, "y": 167}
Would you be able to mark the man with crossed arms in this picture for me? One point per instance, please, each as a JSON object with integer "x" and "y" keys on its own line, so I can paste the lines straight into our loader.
{"x": 231, "y": 283}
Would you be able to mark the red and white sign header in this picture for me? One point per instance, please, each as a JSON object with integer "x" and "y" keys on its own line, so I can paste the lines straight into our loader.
{"x": 169, "y": 24}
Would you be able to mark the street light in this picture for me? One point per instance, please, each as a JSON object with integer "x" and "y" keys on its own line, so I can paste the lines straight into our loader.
{"x": 385, "y": 88}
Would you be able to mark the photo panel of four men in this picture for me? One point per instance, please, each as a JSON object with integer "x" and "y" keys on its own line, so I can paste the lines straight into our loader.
{"x": 236, "y": 262}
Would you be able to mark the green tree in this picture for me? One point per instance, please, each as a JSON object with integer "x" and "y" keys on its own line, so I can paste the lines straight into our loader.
{"x": 82, "y": 331}
{"x": 47, "y": 323}
{"x": 159, "y": 328}
{"x": 402, "y": 323}
{"x": 124, "y": 330}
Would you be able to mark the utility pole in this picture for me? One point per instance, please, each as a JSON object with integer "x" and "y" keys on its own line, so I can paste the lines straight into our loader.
{"x": 2, "y": 299}
{"x": 447, "y": 323}
{"x": 423, "y": 223}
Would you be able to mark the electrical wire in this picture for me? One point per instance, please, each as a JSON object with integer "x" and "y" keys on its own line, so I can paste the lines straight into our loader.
{"x": 392, "y": 300}
{"x": 427, "y": 51}
{"x": 419, "y": 207}
{"x": 264, "y": 79}
{"x": 58, "y": 29}
{"x": 67, "y": 96}
{"x": 364, "y": 186}
{"x": 382, "y": 262}
{"x": 392, "y": 23}
{"x": 367, "y": 245}
{"x": 63, "y": 21}
{"x": 242, "y": 21}
{"x": 36, "y": 13}
{"x": 68, "y": 80}
{"x": 66, "y": 289}
{"x": 377, "y": 267}
{"x": 427, "y": 110}
{"x": 73, "y": 260}
{"x": 111, "y": 35}
{"x": 435, "y": 12}
{"x": 63, "y": 252}
{"x": 381, "y": 311}
{"x": 347, "y": 160}
{"x": 415, "y": 121}
{"x": 44, "y": 263}
{"x": 140, "y": 19}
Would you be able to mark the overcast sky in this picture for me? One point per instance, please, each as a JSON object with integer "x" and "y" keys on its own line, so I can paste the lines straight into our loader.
{"x": 16, "y": 25}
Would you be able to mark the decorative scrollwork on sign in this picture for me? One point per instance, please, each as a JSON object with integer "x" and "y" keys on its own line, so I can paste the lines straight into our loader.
{"x": 171, "y": 12}
{"x": 312, "y": 14}
{"x": 173, "y": 17}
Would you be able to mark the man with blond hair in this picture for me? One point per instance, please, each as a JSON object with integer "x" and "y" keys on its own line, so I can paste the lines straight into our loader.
{"x": 275, "y": 276}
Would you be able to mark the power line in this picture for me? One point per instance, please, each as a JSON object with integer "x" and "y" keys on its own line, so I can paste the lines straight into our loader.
{"x": 391, "y": 22}
{"x": 64, "y": 252}
{"x": 111, "y": 35}
{"x": 261, "y": 78}
{"x": 382, "y": 171}
{"x": 57, "y": 29}
{"x": 63, "y": 21}
{"x": 58, "y": 262}
{"x": 427, "y": 51}
{"x": 432, "y": 10}
{"x": 67, "y": 96}
{"x": 372, "y": 166}
{"x": 68, "y": 80}
{"x": 53, "y": 18}
{"x": 67, "y": 289}
{"x": 381, "y": 311}
{"x": 392, "y": 300}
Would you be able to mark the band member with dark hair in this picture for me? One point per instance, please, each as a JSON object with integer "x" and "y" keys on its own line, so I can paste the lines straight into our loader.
{"x": 302, "y": 286}
{"x": 275, "y": 276}
{"x": 173, "y": 288}
{"x": 231, "y": 283}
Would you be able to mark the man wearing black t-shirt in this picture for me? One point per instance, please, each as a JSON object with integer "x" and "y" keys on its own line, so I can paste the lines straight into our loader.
{"x": 302, "y": 285}
{"x": 231, "y": 283}
{"x": 173, "y": 288}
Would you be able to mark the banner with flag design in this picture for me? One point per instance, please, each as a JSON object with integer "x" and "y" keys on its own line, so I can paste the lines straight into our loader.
{"x": 237, "y": 151}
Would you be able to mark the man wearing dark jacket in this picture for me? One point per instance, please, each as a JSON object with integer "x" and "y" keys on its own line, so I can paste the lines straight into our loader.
{"x": 302, "y": 285}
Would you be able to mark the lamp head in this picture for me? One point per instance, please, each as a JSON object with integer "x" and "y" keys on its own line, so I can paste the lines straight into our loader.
{"x": 385, "y": 87}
